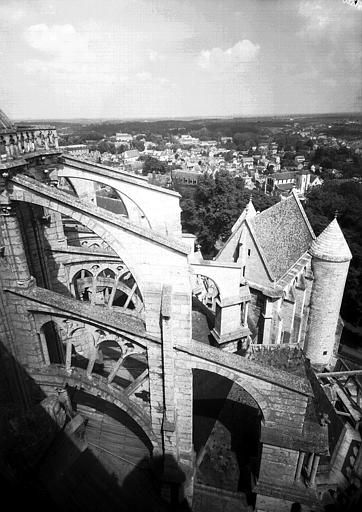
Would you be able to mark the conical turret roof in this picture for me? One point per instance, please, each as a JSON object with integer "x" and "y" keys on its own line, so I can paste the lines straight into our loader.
{"x": 331, "y": 245}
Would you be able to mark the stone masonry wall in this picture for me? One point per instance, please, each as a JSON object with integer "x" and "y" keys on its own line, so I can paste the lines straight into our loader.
{"x": 326, "y": 299}
{"x": 278, "y": 463}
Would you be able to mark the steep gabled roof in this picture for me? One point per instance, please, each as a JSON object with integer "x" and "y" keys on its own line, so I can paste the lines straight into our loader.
{"x": 283, "y": 234}
{"x": 248, "y": 212}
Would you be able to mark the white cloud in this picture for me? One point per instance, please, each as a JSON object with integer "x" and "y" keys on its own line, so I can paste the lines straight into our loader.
{"x": 144, "y": 76}
{"x": 243, "y": 52}
{"x": 155, "y": 56}
{"x": 12, "y": 12}
{"x": 317, "y": 15}
{"x": 57, "y": 39}
{"x": 324, "y": 18}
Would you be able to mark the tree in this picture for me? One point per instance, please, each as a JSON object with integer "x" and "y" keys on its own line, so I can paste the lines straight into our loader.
{"x": 228, "y": 157}
{"x": 346, "y": 198}
{"x": 215, "y": 206}
{"x": 106, "y": 147}
{"x": 152, "y": 164}
{"x": 139, "y": 144}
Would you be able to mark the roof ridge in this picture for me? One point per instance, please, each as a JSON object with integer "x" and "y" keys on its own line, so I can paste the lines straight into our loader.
{"x": 301, "y": 208}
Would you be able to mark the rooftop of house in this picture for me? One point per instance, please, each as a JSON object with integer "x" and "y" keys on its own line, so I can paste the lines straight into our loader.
{"x": 286, "y": 175}
{"x": 285, "y": 187}
{"x": 132, "y": 153}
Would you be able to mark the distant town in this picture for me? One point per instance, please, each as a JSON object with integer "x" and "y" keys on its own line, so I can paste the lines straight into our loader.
{"x": 273, "y": 155}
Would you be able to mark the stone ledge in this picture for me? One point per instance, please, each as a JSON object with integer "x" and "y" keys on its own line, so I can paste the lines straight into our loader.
{"x": 140, "y": 181}
{"x": 317, "y": 443}
{"x": 239, "y": 364}
{"x": 242, "y": 332}
{"x": 295, "y": 492}
{"x": 84, "y": 209}
{"x": 120, "y": 321}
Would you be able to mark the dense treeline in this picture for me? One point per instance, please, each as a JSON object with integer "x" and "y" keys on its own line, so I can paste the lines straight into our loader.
{"x": 343, "y": 159}
{"x": 345, "y": 197}
{"x": 210, "y": 128}
{"x": 211, "y": 210}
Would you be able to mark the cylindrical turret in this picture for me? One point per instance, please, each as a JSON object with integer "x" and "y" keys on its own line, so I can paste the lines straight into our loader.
{"x": 330, "y": 262}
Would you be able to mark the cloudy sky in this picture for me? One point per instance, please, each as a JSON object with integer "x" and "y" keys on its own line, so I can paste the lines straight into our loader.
{"x": 173, "y": 58}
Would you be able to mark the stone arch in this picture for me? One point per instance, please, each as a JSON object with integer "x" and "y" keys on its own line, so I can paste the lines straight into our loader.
{"x": 115, "y": 199}
{"x": 118, "y": 280}
{"x": 123, "y": 418}
{"x": 129, "y": 202}
{"x": 105, "y": 271}
{"x": 241, "y": 380}
{"x": 227, "y": 423}
{"x": 81, "y": 347}
{"x": 67, "y": 186}
{"x": 206, "y": 290}
{"x": 91, "y": 223}
{"x": 74, "y": 286}
{"x": 56, "y": 376}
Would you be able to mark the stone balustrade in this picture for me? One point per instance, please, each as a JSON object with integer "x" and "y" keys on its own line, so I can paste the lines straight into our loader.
{"x": 16, "y": 143}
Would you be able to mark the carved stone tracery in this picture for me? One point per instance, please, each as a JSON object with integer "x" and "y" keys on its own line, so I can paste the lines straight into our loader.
{"x": 94, "y": 349}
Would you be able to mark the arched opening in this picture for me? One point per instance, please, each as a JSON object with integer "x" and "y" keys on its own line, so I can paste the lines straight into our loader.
{"x": 105, "y": 196}
{"x": 60, "y": 281}
{"x": 226, "y": 435}
{"x": 53, "y": 341}
{"x": 82, "y": 285}
{"x": 103, "y": 290}
{"x": 65, "y": 185}
{"x": 109, "y": 353}
{"x": 112, "y": 473}
{"x": 113, "y": 288}
{"x": 109, "y": 199}
{"x": 120, "y": 299}
{"x": 205, "y": 292}
{"x": 118, "y": 367}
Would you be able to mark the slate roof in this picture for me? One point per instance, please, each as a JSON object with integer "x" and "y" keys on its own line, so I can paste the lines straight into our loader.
{"x": 283, "y": 233}
{"x": 285, "y": 186}
{"x": 285, "y": 175}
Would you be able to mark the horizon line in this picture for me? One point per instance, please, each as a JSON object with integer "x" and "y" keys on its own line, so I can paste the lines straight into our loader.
{"x": 184, "y": 118}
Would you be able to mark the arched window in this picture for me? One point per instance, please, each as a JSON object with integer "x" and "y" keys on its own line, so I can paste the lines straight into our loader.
{"x": 104, "y": 286}
{"x": 50, "y": 333}
{"x": 111, "y": 288}
{"x": 82, "y": 285}
{"x": 205, "y": 290}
